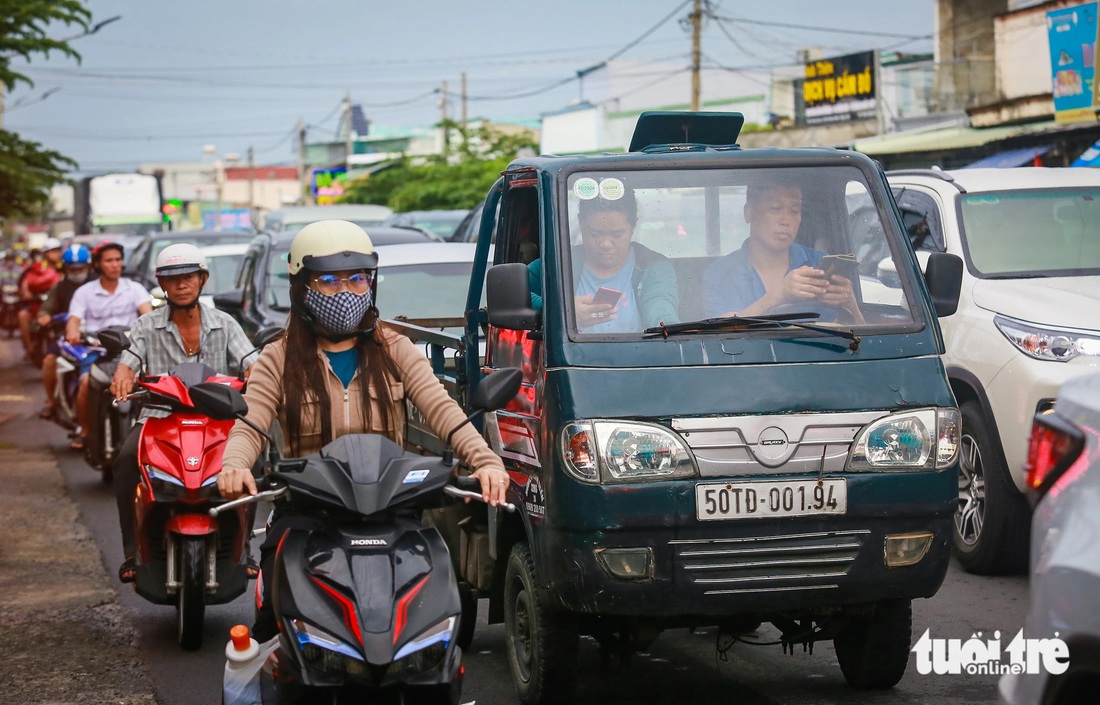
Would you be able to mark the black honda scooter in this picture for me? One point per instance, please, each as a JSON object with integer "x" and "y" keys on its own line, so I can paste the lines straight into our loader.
{"x": 367, "y": 604}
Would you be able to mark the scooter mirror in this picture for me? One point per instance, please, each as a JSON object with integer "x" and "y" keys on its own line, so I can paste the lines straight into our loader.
{"x": 218, "y": 401}
{"x": 113, "y": 340}
{"x": 267, "y": 336}
{"x": 496, "y": 390}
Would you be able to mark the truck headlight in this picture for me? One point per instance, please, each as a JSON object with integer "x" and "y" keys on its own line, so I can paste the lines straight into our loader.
{"x": 624, "y": 451}
{"x": 921, "y": 439}
{"x": 1059, "y": 345}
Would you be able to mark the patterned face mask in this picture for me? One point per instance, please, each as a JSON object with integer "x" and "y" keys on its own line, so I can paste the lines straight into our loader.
{"x": 340, "y": 313}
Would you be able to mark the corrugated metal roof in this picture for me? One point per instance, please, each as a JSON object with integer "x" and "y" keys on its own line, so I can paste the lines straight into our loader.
{"x": 946, "y": 139}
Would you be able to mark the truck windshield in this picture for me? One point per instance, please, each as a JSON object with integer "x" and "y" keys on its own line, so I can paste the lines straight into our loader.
{"x": 653, "y": 247}
{"x": 1036, "y": 232}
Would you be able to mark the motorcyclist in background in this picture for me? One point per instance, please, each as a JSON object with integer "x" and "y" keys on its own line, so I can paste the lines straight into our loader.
{"x": 184, "y": 330}
{"x": 37, "y": 279}
{"x": 109, "y": 300}
{"x": 76, "y": 261}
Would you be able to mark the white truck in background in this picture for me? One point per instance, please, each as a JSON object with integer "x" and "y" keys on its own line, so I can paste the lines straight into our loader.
{"x": 118, "y": 204}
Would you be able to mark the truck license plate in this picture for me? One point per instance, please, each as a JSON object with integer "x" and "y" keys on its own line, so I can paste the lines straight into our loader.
{"x": 781, "y": 498}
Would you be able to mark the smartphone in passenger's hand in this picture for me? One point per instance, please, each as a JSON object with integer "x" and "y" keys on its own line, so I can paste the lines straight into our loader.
{"x": 606, "y": 297}
{"x": 845, "y": 265}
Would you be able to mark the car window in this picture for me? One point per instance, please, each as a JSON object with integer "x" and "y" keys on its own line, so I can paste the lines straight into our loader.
{"x": 223, "y": 269}
{"x": 278, "y": 280}
{"x": 432, "y": 290}
{"x": 1054, "y": 232}
{"x": 921, "y": 217}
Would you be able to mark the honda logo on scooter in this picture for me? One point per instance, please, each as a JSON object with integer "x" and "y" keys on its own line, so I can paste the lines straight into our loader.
{"x": 192, "y": 461}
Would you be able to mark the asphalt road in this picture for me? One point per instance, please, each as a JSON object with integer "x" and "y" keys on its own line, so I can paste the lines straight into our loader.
{"x": 679, "y": 666}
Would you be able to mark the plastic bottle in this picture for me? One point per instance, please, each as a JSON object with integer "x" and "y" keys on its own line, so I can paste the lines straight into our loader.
{"x": 243, "y": 663}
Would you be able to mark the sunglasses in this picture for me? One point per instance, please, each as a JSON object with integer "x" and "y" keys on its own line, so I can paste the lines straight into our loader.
{"x": 330, "y": 284}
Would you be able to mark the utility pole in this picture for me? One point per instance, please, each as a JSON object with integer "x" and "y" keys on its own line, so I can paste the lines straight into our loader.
{"x": 302, "y": 161}
{"x": 464, "y": 101}
{"x": 349, "y": 142}
{"x": 696, "y": 51}
{"x": 251, "y": 180}
{"x": 443, "y": 120}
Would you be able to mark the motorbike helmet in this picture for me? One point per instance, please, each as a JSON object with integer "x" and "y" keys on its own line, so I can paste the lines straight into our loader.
{"x": 103, "y": 247}
{"x": 179, "y": 259}
{"x": 76, "y": 255}
{"x": 51, "y": 243}
{"x": 331, "y": 246}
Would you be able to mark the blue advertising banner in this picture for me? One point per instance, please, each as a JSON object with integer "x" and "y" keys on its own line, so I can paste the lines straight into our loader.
{"x": 1072, "y": 36}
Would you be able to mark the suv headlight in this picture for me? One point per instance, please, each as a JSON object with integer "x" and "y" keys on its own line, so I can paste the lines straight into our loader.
{"x": 624, "y": 451}
{"x": 1048, "y": 343}
{"x": 922, "y": 439}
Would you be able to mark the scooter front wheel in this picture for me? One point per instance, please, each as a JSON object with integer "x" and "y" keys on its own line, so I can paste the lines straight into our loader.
{"x": 191, "y": 598}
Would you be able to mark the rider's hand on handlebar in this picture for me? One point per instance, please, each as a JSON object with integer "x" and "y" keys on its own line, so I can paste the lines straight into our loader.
{"x": 232, "y": 482}
{"x": 73, "y": 337}
{"x": 122, "y": 383}
{"x": 494, "y": 485}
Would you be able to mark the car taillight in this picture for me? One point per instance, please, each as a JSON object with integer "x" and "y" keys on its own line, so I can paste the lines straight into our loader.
{"x": 1054, "y": 445}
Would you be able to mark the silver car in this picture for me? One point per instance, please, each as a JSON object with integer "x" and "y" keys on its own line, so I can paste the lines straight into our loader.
{"x": 1063, "y": 477}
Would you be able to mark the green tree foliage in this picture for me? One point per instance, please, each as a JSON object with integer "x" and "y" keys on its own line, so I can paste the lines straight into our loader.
{"x": 27, "y": 169}
{"x": 458, "y": 180}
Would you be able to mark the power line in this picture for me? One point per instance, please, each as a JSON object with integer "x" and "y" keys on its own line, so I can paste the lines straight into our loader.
{"x": 836, "y": 30}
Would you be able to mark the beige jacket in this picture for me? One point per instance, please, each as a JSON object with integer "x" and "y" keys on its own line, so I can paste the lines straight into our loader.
{"x": 415, "y": 381}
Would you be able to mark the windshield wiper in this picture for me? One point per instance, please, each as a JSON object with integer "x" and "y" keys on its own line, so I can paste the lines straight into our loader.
{"x": 782, "y": 320}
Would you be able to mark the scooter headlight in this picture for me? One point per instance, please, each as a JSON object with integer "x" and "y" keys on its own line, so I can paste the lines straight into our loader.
{"x": 326, "y": 653}
{"x": 167, "y": 487}
{"x": 424, "y": 652}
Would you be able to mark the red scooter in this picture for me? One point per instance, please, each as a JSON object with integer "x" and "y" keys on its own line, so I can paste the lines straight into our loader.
{"x": 184, "y": 556}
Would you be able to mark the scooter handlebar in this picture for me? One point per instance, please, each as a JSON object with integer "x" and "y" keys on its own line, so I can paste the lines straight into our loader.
{"x": 247, "y": 499}
{"x": 467, "y": 494}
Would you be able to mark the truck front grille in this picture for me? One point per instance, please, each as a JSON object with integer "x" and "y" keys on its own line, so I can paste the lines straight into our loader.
{"x": 810, "y": 561}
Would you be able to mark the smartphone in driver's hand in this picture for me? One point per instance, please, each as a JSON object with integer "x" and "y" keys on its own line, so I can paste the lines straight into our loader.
{"x": 606, "y": 297}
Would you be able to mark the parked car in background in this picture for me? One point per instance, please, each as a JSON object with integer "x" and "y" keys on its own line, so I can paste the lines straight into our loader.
{"x": 468, "y": 229}
{"x": 425, "y": 284}
{"x": 141, "y": 264}
{"x": 223, "y": 262}
{"x": 443, "y": 223}
{"x": 294, "y": 218}
{"x": 128, "y": 242}
{"x": 261, "y": 294}
{"x": 1028, "y": 320}
{"x": 1063, "y": 478}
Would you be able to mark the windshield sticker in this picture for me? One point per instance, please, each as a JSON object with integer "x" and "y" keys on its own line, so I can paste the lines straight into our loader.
{"x": 586, "y": 189}
{"x": 612, "y": 189}
{"x": 415, "y": 476}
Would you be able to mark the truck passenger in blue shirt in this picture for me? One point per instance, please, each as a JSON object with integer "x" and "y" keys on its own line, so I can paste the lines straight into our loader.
{"x": 771, "y": 269}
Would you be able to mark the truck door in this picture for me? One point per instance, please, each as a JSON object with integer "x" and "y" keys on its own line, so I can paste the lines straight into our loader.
{"x": 518, "y": 428}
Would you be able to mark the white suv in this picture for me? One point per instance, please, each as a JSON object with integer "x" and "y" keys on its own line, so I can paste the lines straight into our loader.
{"x": 1028, "y": 320}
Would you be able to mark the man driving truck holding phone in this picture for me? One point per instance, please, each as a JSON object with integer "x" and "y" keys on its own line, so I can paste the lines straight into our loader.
{"x": 620, "y": 286}
{"x": 772, "y": 270}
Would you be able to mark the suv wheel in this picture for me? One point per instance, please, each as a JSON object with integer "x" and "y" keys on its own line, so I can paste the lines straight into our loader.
{"x": 992, "y": 520}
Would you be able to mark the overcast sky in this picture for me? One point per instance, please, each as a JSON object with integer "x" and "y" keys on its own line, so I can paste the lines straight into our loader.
{"x": 170, "y": 77}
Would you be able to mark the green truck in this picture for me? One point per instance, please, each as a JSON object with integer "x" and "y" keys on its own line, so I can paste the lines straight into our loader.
{"x": 701, "y": 438}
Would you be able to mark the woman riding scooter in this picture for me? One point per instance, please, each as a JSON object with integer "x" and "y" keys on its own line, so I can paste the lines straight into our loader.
{"x": 336, "y": 349}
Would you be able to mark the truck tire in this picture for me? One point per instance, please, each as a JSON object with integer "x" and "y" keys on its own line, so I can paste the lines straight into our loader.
{"x": 542, "y": 643}
{"x": 874, "y": 651}
{"x": 993, "y": 520}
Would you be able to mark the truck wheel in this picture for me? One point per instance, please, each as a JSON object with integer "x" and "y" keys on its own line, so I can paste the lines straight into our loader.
{"x": 542, "y": 643}
{"x": 191, "y": 598}
{"x": 993, "y": 520}
{"x": 874, "y": 651}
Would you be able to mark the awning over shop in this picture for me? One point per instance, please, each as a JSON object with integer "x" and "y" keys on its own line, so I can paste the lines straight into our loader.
{"x": 1090, "y": 157}
{"x": 946, "y": 139}
{"x": 1010, "y": 158}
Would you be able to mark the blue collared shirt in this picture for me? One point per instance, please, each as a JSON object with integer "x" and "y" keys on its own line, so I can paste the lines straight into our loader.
{"x": 731, "y": 283}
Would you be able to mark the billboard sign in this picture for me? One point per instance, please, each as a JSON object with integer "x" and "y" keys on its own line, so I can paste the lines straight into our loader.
{"x": 840, "y": 89}
{"x": 327, "y": 183}
{"x": 1071, "y": 32}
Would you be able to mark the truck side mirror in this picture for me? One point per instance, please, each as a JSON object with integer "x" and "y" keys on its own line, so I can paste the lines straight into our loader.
{"x": 508, "y": 298}
{"x": 943, "y": 274}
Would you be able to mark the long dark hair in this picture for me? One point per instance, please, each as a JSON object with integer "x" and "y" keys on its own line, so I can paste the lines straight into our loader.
{"x": 304, "y": 373}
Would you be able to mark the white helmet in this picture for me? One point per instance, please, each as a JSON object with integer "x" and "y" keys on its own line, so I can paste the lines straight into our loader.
{"x": 51, "y": 243}
{"x": 331, "y": 246}
{"x": 179, "y": 259}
